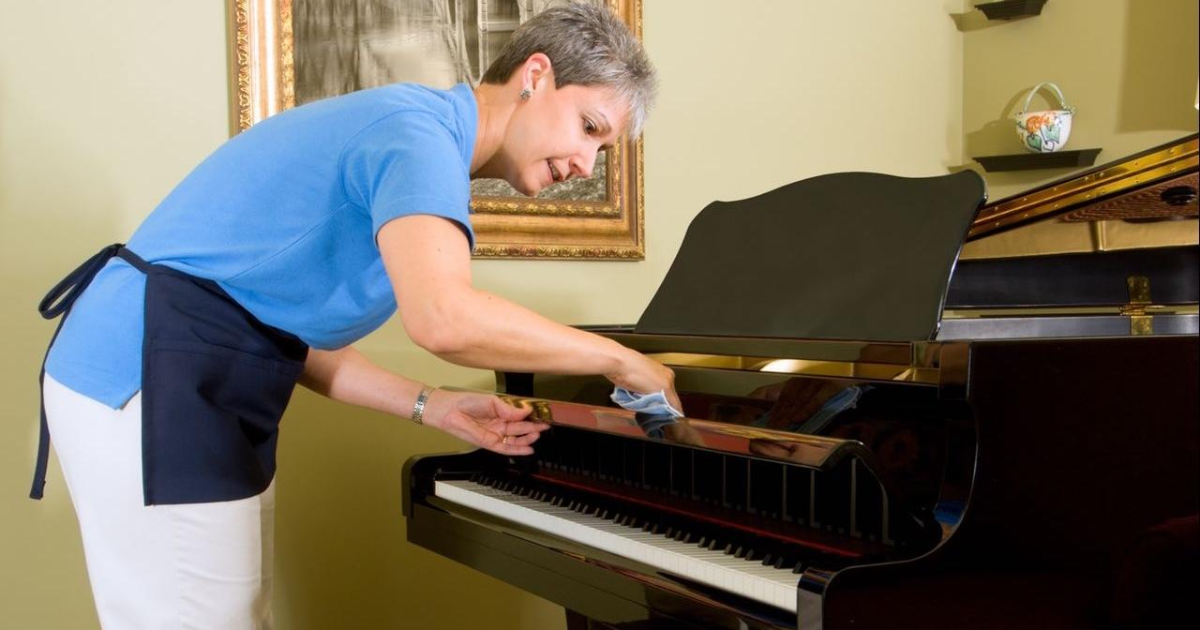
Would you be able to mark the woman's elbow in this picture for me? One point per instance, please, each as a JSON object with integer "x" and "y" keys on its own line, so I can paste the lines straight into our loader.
{"x": 441, "y": 323}
{"x": 440, "y": 338}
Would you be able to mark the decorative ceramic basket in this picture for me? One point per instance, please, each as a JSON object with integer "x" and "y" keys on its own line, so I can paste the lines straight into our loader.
{"x": 1045, "y": 131}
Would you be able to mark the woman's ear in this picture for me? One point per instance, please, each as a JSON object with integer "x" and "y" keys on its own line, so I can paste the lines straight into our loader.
{"x": 536, "y": 72}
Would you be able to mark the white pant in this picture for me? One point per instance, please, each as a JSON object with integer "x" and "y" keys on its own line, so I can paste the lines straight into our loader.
{"x": 204, "y": 565}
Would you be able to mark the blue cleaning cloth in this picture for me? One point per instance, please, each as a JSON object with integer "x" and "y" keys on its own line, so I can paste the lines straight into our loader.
{"x": 651, "y": 411}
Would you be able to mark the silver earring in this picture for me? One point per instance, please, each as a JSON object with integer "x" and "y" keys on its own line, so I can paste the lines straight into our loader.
{"x": 526, "y": 93}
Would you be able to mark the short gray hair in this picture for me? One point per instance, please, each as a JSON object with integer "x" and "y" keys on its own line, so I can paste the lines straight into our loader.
{"x": 589, "y": 46}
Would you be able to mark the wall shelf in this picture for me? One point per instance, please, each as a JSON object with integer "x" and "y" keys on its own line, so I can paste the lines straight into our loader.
{"x": 1011, "y": 9}
{"x": 1031, "y": 161}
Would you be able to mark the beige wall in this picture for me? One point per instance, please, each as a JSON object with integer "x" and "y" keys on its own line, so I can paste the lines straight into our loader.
{"x": 104, "y": 106}
{"x": 1129, "y": 67}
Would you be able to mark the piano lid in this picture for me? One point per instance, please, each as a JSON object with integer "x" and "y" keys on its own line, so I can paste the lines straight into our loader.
{"x": 1102, "y": 192}
{"x": 1081, "y": 241}
{"x": 842, "y": 256}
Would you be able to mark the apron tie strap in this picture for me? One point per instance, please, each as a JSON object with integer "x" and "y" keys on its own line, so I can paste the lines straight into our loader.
{"x": 58, "y": 302}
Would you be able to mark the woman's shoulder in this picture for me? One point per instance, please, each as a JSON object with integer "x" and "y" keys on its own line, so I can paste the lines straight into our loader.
{"x": 407, "y": 98}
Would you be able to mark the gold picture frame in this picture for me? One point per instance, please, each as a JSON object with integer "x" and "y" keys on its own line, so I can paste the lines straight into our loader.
{"x": 263, "y": 74}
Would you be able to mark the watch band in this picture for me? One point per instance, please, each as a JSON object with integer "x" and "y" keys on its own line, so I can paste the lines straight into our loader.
{"x": 418, "y": 411}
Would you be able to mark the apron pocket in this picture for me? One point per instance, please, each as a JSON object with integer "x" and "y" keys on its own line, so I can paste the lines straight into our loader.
{"x": 210, "y": 420}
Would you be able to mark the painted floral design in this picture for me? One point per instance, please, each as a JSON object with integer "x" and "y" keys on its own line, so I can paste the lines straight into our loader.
{"x": 1043, "y": 133}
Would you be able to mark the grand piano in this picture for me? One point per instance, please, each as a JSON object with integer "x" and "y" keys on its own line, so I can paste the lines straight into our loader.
{"x": 879, "y": 431}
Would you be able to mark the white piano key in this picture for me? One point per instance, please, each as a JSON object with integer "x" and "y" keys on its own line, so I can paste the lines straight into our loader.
{"x": 748, "y": 578}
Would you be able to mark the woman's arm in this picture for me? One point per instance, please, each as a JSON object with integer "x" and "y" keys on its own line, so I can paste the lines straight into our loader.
{"x": 428, "y": 261}
{"x": 484, "y": 420}
{"x": 347, "y": 376}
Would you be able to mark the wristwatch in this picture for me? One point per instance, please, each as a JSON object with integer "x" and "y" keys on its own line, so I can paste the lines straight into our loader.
{"x": 419, "y": 407}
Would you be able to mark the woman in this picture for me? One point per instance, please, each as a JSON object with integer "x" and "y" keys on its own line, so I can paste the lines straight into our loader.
{"x": 164, "y": 386}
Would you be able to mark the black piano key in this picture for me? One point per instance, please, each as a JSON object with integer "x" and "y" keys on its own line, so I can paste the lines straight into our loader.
{"x": 762, "y": 497}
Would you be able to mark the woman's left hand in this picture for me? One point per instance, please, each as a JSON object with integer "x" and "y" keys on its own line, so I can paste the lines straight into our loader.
{"x": 483, "y": 420}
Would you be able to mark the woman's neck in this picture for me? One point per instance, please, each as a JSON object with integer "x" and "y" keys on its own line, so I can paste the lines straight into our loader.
{"x": 495, "y": 105}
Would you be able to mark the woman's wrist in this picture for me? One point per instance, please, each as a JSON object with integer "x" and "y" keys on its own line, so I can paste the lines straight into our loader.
{"x": 620, "y": 361}
{"x": 421, "y": 405}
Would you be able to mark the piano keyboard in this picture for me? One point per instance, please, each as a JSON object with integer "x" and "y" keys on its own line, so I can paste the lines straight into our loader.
{"x": 714, "y": 567}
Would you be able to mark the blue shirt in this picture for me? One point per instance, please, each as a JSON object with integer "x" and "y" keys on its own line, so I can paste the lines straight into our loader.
{"x": 283, "y": 217}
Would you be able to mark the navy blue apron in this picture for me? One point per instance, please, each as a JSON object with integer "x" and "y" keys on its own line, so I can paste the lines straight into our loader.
{"x": 215, "y": 382}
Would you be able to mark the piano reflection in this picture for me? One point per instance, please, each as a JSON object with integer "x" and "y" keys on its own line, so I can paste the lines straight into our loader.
{"x": 879, "y": 431}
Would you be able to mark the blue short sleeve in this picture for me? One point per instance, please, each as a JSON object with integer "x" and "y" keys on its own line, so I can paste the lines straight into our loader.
{"x": 283, "y": 217}
{"x": 407, "y": 163}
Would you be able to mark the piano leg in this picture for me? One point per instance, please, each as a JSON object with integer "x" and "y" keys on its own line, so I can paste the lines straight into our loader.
{"x": 576, "y": 621}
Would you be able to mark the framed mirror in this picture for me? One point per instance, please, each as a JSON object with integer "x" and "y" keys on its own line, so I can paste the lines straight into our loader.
{"x": 286, "y": 53}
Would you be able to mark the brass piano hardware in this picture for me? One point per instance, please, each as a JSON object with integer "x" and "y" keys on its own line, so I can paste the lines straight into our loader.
{"x": 1162, "y": 309}
{"x": 1028, "y": 312}
{"x": 1099, "y": 236}
{"x": 1140, "y": 323}
{"x": 891, "y": 353}
{"x": 1139, "y": 291}
{"x": 919, "y": 373}
{"x": 1109, "y": 180}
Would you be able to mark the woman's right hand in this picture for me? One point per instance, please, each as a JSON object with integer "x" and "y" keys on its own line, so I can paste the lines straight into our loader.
{"x": 643, "y": 375}
{"x": 483, "y": 420}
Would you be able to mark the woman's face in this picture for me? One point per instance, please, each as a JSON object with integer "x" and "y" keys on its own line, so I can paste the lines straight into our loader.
{"x": 555, "y": 135}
